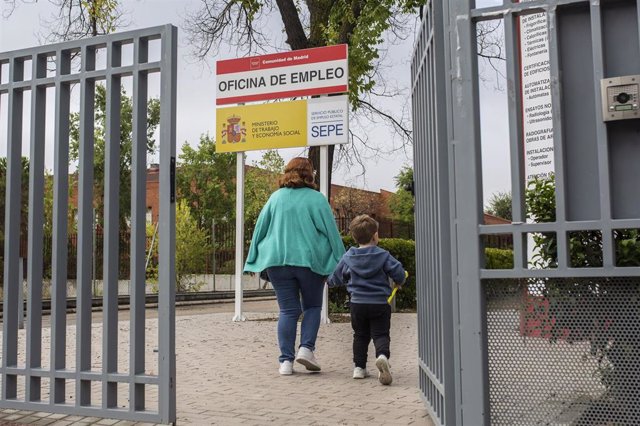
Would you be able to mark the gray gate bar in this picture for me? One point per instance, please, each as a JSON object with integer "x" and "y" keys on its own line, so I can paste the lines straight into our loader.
{"x": 111, "y": 228}
{"x": 60, "y": 240}
{"x": 516, "y": 148}
{"x": 85, "y": 230}
{"x": 138, "y": 224}
{"x": 12, "y": 229}
{"x": 59, "y": 372}
{"x": 558, "y": 137}
{"x": 602, "y": 136}
{"x": 35, "y": 243}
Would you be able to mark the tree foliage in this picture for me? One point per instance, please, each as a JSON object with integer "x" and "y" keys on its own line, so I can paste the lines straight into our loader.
{"x": 402, "y": 204}
{"x": 500, "y": 205}
{"x": 205, "y": 179}
{"x": 404, "y": 179}
{"x": 126, "y": 144}
{"x": 362, "y": 24}
{"x": 260, "y": 182}
{"x": 75, "y": 19}
{"x": 192, "y": 248}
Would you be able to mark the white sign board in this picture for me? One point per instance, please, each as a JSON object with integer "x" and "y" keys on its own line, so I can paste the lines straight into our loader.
{"x": 536, "y": 96}
{"x": 328, "y": 121}
{"x": 307, "y": 72}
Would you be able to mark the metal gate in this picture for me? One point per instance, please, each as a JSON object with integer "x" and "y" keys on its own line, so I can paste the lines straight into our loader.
{"x": 101, "y": 389}
{"x": 552, "y": 339}
{"x": 432, "y": 211}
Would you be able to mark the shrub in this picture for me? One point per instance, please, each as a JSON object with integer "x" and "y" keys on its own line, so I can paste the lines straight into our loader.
{"x": 405, "y": 252}
{"x": 498, "y": 258}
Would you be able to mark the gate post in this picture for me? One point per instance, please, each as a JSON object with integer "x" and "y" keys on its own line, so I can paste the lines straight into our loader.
{"x": 466, "y": 215}
{"x": 167, "y": 235}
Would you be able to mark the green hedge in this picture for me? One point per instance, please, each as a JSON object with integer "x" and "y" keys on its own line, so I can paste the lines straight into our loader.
{"x": 498, "y": 258}
{"x": 404, "y": 251}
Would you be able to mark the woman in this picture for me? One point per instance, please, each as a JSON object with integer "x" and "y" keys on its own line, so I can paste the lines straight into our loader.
{"x": 296, "y": 241}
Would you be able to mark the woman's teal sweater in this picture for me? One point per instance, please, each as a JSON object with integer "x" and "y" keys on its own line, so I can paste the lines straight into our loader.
{"x": 295, "y": 228}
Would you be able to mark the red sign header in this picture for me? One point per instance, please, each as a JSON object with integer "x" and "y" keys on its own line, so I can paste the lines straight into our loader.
{"x": 284, "y": 59}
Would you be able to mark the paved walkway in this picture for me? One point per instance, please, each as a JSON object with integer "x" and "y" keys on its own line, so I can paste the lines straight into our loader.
{"x": 227, "y": 374}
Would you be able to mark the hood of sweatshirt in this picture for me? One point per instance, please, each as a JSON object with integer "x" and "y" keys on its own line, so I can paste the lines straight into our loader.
{"x": 365, "y": 261}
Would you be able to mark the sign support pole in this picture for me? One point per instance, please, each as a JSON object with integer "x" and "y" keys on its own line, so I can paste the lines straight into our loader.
{"x": 239, "y": 235}
{"x": 324, "y": 189}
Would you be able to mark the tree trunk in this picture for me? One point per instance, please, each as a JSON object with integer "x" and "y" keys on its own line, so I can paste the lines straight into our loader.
{"x": 93, "y": 16}
{"x": 296, "y": 37}
{"x": 348, "y": 27}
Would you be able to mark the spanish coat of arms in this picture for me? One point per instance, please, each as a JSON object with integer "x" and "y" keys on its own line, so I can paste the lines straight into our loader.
{"x": 234, "y": 130}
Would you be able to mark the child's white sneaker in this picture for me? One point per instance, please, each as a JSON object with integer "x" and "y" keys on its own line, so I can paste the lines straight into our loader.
{"x": 286, "y": 368}
{"x": 360, "y": 373}
{"x": 384, "y": 374}
{"x": 306, "y": 358}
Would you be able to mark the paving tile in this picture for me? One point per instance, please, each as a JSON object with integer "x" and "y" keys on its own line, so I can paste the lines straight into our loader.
{"x": 14, "y": 417}
{"x": 44, "y": 421}
{"x": 107, "y": 422}
{"x": 58, "y": 416}
{"x": 29, "y": 419}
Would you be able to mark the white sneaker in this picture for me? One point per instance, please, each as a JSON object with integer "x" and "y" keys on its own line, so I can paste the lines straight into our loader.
{"x": 306, "y": 358}
{"x": 360, "y": 373}
{"x": 384, "y": 374}
{"x": 286, "y": 368}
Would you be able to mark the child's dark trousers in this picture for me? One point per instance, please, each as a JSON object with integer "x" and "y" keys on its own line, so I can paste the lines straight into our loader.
{"x": 370, "y": 321}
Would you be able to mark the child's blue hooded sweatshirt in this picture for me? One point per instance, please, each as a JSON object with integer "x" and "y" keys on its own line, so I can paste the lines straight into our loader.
{"x": 365, "y": 271}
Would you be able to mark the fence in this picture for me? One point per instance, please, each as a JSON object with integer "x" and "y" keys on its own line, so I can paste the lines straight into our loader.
{"x": 388, "y": 228}
{"x": 220, "y": 259}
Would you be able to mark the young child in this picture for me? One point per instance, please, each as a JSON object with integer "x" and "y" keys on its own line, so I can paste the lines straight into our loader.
{"x": 365, "y": 271}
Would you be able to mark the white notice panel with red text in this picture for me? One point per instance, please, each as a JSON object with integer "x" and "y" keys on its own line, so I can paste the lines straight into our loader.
{"x": 308, "y": 72}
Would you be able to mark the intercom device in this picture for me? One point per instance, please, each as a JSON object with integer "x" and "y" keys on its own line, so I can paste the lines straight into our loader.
{"x": 620, "y": 96}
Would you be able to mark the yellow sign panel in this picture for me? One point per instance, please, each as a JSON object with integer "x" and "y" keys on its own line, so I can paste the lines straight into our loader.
{"x": 258, "y": 127}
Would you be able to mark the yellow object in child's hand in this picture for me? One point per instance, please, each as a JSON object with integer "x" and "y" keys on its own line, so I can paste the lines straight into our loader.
{"x": 395, "y": 289}
{"x": 393, "y": 294}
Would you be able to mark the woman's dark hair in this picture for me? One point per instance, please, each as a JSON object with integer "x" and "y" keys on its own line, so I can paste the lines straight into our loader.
{"x": 298, "y": 174}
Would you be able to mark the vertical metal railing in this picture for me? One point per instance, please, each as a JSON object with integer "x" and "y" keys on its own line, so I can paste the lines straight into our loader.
{"x": 12, "y": 230}
{"x": 111, "y": 227}
{"x": 111, "y": 373}
{"x": 433, "y": 232}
